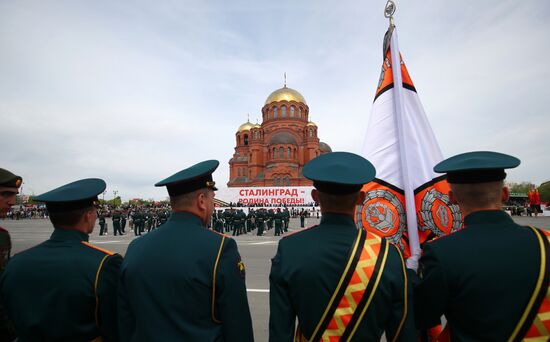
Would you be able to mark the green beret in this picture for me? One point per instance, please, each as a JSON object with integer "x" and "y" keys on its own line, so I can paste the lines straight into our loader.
{"x": 193, "y": 178}
{"x": 9, "y": 180}
{"x": 76, "y": 195}
{"x": 339, "y": 173}
{"x": 476, "y": 167}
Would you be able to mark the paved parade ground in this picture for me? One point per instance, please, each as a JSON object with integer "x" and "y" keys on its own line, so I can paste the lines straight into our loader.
{"x": 256, "y": 252}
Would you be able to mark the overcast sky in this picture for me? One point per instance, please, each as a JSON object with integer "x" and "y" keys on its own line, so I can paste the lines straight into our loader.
{"x": 133, "y": 91}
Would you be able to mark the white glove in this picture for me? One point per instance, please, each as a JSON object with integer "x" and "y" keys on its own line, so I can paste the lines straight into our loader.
{"x": 412, "y": 262}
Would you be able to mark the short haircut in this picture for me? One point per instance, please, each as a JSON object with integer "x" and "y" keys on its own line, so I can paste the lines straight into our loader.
{"x": 331, "y": 202}
{"x": 68, "y": 218}
{"x": 187, "y": 200}
{"x": 478, "y": 195}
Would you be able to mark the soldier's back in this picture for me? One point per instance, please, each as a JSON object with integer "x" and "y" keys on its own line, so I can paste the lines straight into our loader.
{"x": 174, "y": 265}
{"x": 53, "y": 289}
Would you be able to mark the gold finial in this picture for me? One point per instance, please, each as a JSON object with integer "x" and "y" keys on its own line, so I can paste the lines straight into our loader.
{"x": 248, "y": 117}
{"x": 285, "y": 79}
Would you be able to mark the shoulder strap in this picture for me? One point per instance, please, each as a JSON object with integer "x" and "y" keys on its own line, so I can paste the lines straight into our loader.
{"x": 355, "y": 289}
{"x": 540, "y": 293}
{"x": 106, "y": 251}
{"x": 214, "y": 281}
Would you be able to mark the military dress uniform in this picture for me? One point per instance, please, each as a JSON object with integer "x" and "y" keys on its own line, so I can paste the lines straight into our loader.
{"x": 483, "y": 277}
{"x": 250, "y": 220}
{"x": 64, "y": 289}
{"x": 183, "y": 282}
{"x": 313, "y": 278}
{"x": 117, "y": 227}
{"x": 123, "y": 222}
{"x": 260, "y": 217}
{"x": 10, "y": 184}
{"x": 286, "y": 219}
{"x": 102, "y": 224}
{"x": 270, "y": 218}
{"x": 278, "y": 220}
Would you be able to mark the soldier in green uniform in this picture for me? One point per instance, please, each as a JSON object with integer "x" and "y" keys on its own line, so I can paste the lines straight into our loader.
{"x": 286, "y": 218}
{"x": 102, "y": 223}
{"x": 137, "y": 220}
{"x": 193, "y": 277}
{"x": 490, "y": 278}
{"x": 242, "y": 217}
{"x": 270, "y": 220}
{"x": 238, "y": 223}
{"x": 260, "y": 217}
{"x": 278, "y": 220}
{"x": 250, "y": 220}
{"x": 123, "y": 221}
{"x": 218, "y": 221}
{"x": 116, "y": 223}
{"x": 342, "y": 283}
{"x": 227, "y": 220}
{"x": 162, "y": 218}
{"x": 9, "y": 188}
{"x": 64, "y": 289}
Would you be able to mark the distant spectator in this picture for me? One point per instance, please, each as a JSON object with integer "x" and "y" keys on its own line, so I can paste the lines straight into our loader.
{"x": 534, "y": 200}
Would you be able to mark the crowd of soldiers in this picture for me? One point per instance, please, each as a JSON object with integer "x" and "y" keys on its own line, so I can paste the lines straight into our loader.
{"x": 139, "y": 220}
{"x": 21, "y": 212}
{"x": 238, "y": 222}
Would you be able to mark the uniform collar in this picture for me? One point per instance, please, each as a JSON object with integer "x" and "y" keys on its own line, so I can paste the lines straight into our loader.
{"x": 186, "y": 216}
{"x": 487, "y": 217}
{"x": 61, "y": 234}
{"x": 333, "y": 218}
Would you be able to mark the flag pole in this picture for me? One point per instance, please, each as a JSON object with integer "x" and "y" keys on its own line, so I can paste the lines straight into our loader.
{"x": 412, "y": 224}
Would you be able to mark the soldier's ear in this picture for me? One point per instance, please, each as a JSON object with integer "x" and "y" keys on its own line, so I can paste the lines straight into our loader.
{"x": 315, "y": 195}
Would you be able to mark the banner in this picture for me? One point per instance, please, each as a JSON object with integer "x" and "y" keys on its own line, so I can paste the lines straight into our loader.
{"x": 401, "y": 145}
{"x": 267, "y": 196}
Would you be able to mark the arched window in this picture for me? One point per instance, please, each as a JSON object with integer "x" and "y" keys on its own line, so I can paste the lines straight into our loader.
{"x": 300, "y": 112}
{"x": 274, "y": 112}
{"x": 310, "y": 132}
{"x": 274, "y": 153}
{"x": 238, "y": 172}
{"x": 288, "y": 153}
{"x": 281, "y": 152}
{"x": 283, "y": 112}
{"x": 246, "y": 139}
{"x": 291, "y": 111}
{"x": 287, "y": 181}
{"x": 274, "y": 181}
{"x": 280, "y": 181}
{"x": 255, "y": 135}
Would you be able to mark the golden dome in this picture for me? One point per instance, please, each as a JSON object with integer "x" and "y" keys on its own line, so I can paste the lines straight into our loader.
{"x": 257, "y": 125}
{"x": 311, "y": 123}
{"x": 245, "y": 127}
{"x": 285, "y": 94}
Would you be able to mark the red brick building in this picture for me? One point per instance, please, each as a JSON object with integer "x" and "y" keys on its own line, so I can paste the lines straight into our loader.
{"x": 274, "y": 153}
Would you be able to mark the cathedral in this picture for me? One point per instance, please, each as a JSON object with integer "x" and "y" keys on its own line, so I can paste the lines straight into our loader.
{"x": 274, "y": 152}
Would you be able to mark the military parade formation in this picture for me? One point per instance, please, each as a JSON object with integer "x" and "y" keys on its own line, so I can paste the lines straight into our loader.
{"x": 185, "y": 280}
{"x": 236, "y": 222}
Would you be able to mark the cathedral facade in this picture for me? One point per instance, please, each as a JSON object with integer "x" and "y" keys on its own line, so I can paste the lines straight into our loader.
{"x": 274, "y": 152}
